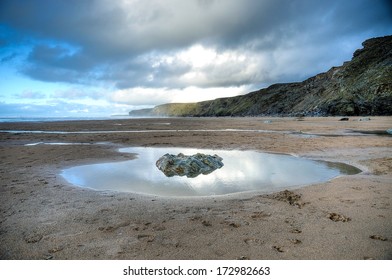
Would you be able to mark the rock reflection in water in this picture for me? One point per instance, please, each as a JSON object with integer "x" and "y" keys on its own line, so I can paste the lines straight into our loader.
{"x": 243, "y": 171}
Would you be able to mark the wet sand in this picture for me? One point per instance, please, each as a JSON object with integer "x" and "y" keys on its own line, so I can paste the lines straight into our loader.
{"x": 44, "y": 217}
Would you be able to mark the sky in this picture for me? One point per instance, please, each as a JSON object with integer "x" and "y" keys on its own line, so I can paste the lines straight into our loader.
{"x": 89, "y": 58}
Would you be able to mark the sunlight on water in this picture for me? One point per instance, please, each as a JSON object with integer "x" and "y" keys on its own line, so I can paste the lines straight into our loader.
{"x": 243, "y": 171}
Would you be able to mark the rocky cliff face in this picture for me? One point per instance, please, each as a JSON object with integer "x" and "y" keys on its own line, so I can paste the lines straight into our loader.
{"x": 362, "y": 86}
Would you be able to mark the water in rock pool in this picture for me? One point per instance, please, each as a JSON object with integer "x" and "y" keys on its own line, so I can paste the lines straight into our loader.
{"x": 243, "y": 171}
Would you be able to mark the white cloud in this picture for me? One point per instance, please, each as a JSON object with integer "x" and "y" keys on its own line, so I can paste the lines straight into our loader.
{"x": 141, "y": 96}
{"x": 198, "y": 66}
{"x": 28, "y": 94}
{"x": 195, "y": 94}
{"x": 79, "y": 93}
{"x": 211, "y": 68}
{"x": 156, "y": 96}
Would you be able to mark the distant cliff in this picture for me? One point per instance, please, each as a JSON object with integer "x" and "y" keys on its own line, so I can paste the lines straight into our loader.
{"x": 362, "y": 86}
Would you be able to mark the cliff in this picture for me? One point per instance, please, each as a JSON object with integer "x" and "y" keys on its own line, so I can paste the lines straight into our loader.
{"x": 362, "y": 86}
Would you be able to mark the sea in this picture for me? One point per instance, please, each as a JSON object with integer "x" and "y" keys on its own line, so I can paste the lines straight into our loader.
{"x": 56, "y": 119}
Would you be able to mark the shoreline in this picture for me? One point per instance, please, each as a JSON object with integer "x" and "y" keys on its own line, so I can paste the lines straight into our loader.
{"x": 44, "y": 217}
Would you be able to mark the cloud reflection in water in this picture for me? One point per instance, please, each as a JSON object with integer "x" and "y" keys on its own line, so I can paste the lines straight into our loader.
{"x": 243, "y": 171}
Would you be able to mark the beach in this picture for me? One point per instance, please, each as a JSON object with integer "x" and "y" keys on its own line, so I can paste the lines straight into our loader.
{"x": 45, "y": 217}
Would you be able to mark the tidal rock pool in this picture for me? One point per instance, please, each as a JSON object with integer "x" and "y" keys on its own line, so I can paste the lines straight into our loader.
{"x": 243, "y": 171}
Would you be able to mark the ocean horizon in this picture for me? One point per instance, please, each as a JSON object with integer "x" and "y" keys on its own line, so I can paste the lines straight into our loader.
{"x": 55, "y": 119}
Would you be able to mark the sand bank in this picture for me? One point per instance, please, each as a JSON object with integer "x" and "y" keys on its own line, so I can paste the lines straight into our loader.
{"x": 44, "y": 217}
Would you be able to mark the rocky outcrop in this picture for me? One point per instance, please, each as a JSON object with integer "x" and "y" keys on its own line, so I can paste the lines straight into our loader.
{"x": 189, "y": 166}
{"x": 362, "y": 86}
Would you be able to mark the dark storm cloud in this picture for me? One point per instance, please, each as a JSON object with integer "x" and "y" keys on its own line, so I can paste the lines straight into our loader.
{"x": 59, "y": 57}
{"x": 8, "y": 57}
{"x": 120, "y": 41}
{"x": 59, "y": 64}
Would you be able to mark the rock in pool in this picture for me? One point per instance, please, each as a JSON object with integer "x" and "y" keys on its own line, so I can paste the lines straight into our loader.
{"x": 189, "y": 166}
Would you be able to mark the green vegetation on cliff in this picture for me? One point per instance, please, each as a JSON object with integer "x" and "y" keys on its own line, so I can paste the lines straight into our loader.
{"x": 362, "y": 86}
